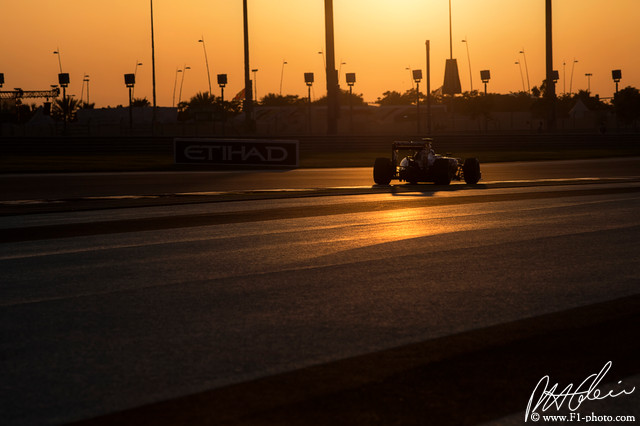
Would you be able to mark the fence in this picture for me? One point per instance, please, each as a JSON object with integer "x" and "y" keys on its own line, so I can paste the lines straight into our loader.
{"x": 44, "y": 146}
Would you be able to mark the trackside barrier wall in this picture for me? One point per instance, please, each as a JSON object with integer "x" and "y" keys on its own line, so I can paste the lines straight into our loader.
{"x": 43, "y": 146}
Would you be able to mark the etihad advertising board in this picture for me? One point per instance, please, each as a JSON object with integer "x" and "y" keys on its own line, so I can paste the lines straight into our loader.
{"x": 236, "y": 152}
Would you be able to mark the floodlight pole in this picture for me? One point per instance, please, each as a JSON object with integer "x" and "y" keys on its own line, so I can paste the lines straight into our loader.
{"x": 332, "y": 83}
{"x": 418, "y": 106}
{"x": 417, "y": 76}
{"x": 550, "y": 93}
{"x": 153, "y": 71}
{"x": 589, "y": 75}
{"x": 351, "y": 80}
{"x": 617, "y": 76}
{"x": 130, "y": 108}
{"x": 309, "y": 104}
{"x": 308, "y": 79}
{"x": 248, "y": 89}
{"x": 428, "y": 45}
{"x": 130, "y": 81}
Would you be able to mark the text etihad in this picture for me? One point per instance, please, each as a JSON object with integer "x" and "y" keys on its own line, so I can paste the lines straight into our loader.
{"x": 235, "y": 153}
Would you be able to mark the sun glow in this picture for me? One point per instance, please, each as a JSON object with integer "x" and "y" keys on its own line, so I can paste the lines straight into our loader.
{"x": 376, "y": 39}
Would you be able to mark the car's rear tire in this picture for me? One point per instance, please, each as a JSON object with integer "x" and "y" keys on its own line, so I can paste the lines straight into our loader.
{"x": 471, "y": 171}
{"x": 413, "y": 174}
{"x": 441, "y": 172}
{"x": 382, "y": 171}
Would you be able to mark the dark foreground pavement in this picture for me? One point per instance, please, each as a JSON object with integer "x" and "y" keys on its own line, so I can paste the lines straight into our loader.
{"x": 463, "y": 379}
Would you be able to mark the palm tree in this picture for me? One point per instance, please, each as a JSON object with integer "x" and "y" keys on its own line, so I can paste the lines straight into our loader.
{"x": 202, "y": 99}
{"x": 65, "y": 107}
{"x": 272, "y": 99}
{"x": 140, "y": 102}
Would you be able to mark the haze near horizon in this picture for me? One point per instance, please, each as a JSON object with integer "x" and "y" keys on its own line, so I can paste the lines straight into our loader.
{"x": 376, "y": 39}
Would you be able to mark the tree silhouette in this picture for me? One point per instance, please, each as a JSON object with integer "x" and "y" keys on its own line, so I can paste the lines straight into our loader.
{"x": 65, "y": 107}
{"x": 140, "y": 102}
{"x": 202, "y": 99}
{"x": 396, "y": 98}
{"x": 393, "y": 98}
{"x": 627, "y": 104}
{"x": 273, "y": 99}
{"x": 204, "y": 104}
{"x": 345, "y": 97}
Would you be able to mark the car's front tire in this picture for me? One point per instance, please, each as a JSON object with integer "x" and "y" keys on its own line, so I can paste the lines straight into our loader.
{"x": 382, "y": 171}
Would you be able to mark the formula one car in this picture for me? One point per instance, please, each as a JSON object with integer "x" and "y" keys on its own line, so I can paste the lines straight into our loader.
{"x": 422, "y": 164}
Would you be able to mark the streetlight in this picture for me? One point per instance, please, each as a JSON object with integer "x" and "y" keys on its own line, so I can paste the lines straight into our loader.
{"x": 410, "y": 76}
{"x": 308, "y": 79}
{"x": 351, "y": 80}
{"x": 206, "y": 61}
{"x": 564, "y": 78}
{"x": 417, "y": 76}
{"x": 255, "y": 83}
{"x": 617, "y": 76}
{"x": 82, "y": 88}
{"x": 324, "y": 61}
{"x": 135, "y": 73}
{"x": 521, "y": 75}
{"x": 175, "y": 82}
{"x": 153, "y": 69}
{"x": 63, "y": 81}
{"x": 130, "y": 81}
{"x": 184, "y": 71}
{"x": 485, "y": 76}
{"x": 571, "y": 80}
{"x": 588, "y": 75}
{"x": 282, "y": 75}
{"x": 222, "y": 81}
{"x": 340, "y": 70}
{"x": 526, "y": 67}
{"x": 57, "y": 52}
{"x": 466, "y": 41}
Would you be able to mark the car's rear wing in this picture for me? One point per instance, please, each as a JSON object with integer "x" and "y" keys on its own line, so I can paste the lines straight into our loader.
{"x": 425, "y": 142}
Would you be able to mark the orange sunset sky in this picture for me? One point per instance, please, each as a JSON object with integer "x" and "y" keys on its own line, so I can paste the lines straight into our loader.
{"x": 376, "y": 39}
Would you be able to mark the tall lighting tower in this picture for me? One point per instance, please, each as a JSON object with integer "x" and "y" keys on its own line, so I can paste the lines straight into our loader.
{"x": 332, "y": 77}
{"x": 248, "y": 89}
{"x": 550, "y": 93}
{"x": 153, "y": 70}
{"x": 451, "y": 85}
